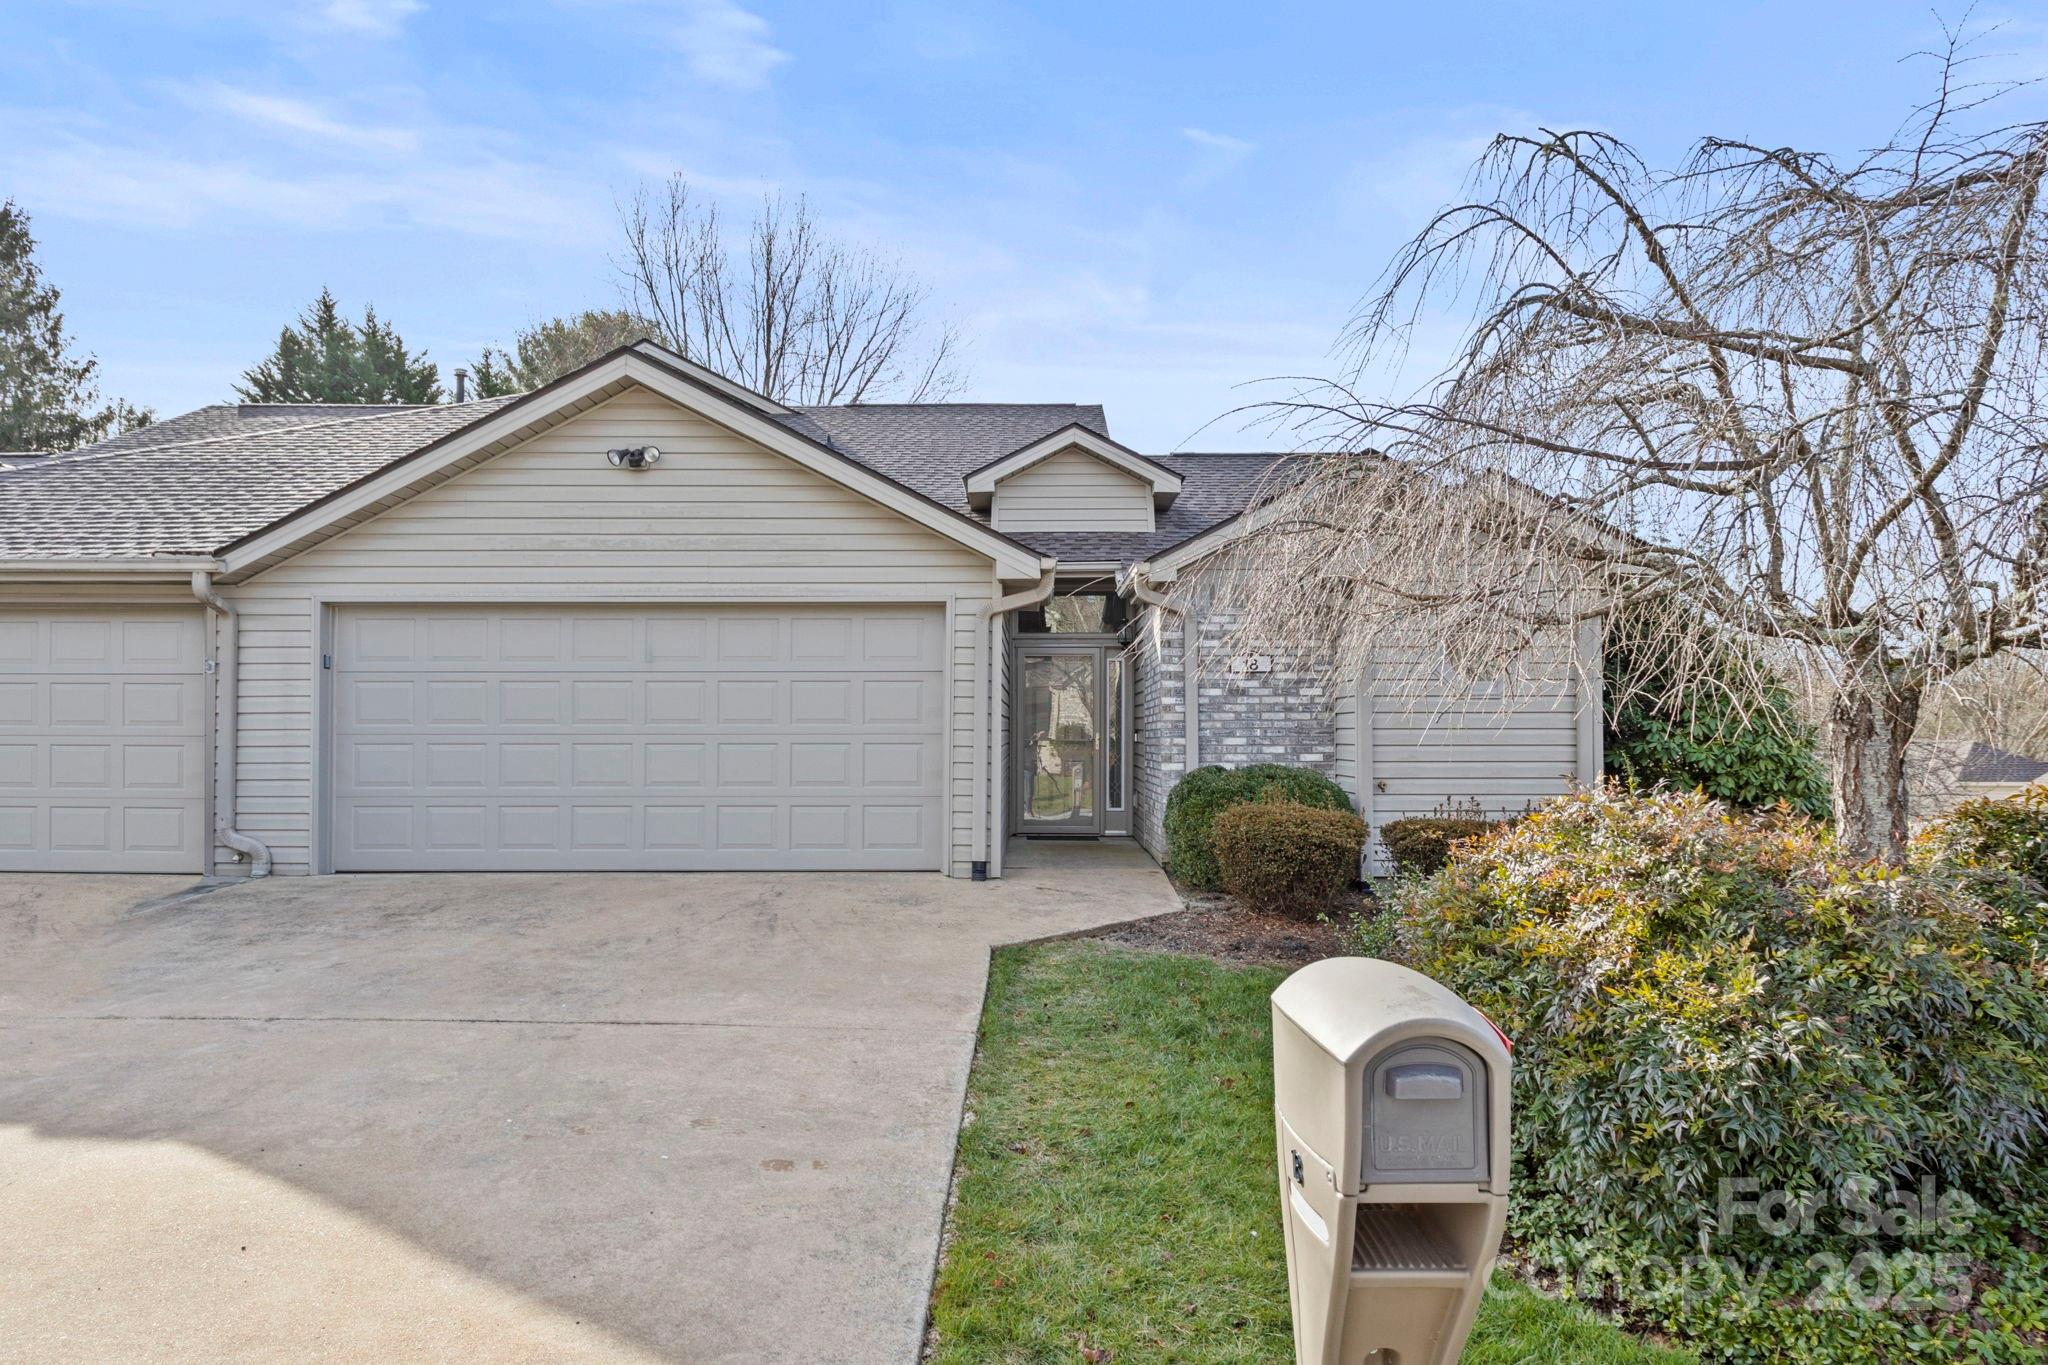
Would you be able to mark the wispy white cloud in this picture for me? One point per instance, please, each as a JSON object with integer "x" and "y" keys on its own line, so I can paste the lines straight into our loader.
{"x": 648, "y": 164}
{"x": 301, "y": 119}
{"x": 1216, "y": 154}
{"x": 1405, "y": 180}
{"x": 725, "y": 45}
{"x": 371, "y": 18}
{"x": 1058, "y": 300}
{"x": 93, "y": 173}
{"x": 1219, "y": 142}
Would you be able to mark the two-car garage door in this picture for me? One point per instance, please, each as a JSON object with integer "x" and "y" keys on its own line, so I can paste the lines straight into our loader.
{"x": 534, "y": 738}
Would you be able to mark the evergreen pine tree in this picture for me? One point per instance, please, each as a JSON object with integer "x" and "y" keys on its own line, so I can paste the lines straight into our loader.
{"x": 49, "y": 399}
{"x": 325, "y": 358}
{"x": 384, "y": 366}
{"x": 495, "y": 374}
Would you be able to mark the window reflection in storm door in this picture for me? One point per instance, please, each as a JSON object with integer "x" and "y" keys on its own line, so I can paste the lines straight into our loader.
{"x": 1060, "y": 734}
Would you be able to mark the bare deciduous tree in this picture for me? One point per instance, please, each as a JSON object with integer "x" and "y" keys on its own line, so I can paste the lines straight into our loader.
{"x": 1800, "y": 398}
{"x": 792, "y": 314}
{"x": 2002, "y": 701}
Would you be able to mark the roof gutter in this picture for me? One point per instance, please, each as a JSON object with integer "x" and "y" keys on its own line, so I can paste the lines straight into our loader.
{"x": 989, "y": 838}
{"x": 165, "y": 566}
{"x": 225, "y": 673}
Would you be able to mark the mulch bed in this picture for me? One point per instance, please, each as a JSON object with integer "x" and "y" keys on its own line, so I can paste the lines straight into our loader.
{"x": 1217, "y": 927}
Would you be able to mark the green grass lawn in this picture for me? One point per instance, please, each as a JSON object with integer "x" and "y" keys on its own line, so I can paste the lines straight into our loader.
{"x": 1116, "y": 1196}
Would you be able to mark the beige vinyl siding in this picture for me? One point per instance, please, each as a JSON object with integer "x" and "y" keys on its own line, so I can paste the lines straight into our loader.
{"x": 719, "y": 519}
{"x": 1438, "y": 740}
{"x": 1435, "y": 741}
{"x": 1072, "y": 491}
{"x": 1344, "y": 768}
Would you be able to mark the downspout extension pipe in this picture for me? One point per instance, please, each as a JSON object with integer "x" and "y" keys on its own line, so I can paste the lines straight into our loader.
{"x": 225, "y": 677}
{"x": 998, "y": 786}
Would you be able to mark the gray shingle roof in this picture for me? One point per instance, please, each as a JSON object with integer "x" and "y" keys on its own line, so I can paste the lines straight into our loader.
{"x": 235, "y": 419}
{"x": 1989, "y": 763}
{"x": 932, "y": 447}
{"x": 192, "y": 496}
{"x": 1215, "y": 488}
{"x": 197, "y": 482}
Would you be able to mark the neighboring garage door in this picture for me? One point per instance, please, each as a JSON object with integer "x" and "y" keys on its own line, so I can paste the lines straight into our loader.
{"x": 102, "y": 741}
{"x": 642, "y": 738}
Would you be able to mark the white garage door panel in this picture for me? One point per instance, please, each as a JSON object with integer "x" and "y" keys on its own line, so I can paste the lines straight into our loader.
{"x": 680, "y": 738}
{"x": 102, "y": 741}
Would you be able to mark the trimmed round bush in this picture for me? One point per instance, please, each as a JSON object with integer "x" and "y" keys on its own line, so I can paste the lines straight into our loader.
{"x": 1421, "y": 845}
{"x": 1698, "y": 997}
{"x": 1205, "y": 793}
{"x": 1284, "y": 858}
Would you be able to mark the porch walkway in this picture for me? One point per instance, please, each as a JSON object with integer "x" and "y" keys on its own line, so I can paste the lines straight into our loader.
{"x": 1110, "y": 854}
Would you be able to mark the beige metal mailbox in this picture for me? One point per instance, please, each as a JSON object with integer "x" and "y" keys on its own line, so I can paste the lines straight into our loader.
{"x": 1392, "y": 1101}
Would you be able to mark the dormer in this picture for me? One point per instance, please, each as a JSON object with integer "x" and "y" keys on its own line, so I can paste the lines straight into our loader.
{"x": 1073, "y": 480}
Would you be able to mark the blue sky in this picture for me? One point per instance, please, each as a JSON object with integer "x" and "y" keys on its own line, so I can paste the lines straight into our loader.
{"x": 1142, "y": 205}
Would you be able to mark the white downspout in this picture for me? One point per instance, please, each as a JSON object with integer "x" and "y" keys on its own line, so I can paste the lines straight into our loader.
{"x": 1141, "y": 588}
{"x": 996, "y": 832}
{"x": 227, "y": 717}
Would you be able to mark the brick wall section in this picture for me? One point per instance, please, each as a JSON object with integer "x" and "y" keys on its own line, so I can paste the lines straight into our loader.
{"x": 1279, "y": 717}
{"x": 1158, "y": 725}
{"x": 1285, "y": 716}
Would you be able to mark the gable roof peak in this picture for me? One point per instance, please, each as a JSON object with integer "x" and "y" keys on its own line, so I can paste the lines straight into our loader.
{"x": 703, "y": 374}
{"x": 1164, "y": 480}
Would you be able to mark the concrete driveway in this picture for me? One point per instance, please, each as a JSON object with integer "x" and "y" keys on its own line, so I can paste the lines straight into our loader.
{"x": 520, "y": 1117}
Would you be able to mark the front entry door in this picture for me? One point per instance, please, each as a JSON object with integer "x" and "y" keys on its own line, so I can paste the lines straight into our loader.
{"x": 1060, "y": 758}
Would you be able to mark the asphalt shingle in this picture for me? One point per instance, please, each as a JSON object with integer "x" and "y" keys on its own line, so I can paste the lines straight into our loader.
{"x": 192, "y": 496}
{"x": 1215, "y": 487}
{"x": 236, "y": 419}
{"x": 1989, "y": 763}
{"x": 931, "y": 447}
{"x": 197, "y": 482}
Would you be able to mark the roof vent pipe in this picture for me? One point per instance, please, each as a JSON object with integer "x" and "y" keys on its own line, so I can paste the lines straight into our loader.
{"x": 461, "y": 385}
{"x": 225, "y": 674}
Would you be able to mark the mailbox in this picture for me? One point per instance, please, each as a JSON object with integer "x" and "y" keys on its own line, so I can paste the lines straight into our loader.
{"x": 1391, "y": 1100}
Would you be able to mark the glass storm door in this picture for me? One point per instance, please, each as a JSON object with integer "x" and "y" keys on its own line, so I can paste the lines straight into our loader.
{"x": 1059, "y": 765}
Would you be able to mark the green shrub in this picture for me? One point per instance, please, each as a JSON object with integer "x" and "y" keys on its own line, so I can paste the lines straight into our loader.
{"x": 1282, "y": 857}
{"x": 1679, "y": 724}
{"x": 2009, "y": 834}
{"x": 2001, "y": 847}
{"x": 1699, "y": 997}
{"x": 1205, "y": 793}
{"x": 1420, "y": 845}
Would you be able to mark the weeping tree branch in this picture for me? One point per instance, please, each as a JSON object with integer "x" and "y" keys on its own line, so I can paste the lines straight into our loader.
{"x": 1789, "y": 398}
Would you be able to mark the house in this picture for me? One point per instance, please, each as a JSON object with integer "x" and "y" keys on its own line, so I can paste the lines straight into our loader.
{"x": 646, "y": 618}
{"x": 1941, "y": 774}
